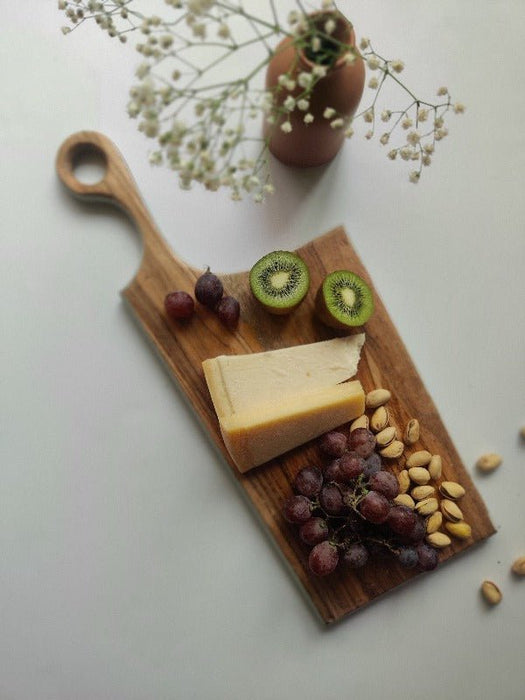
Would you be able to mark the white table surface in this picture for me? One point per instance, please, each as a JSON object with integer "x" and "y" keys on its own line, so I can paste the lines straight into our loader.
{"x": 130, "y": 566}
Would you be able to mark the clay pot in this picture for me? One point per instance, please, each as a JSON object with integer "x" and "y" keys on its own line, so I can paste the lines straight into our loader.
{"x": 342, "y": 88}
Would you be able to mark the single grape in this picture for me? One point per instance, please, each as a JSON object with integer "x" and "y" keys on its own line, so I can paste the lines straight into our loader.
{"x": 401, "y": 520}
{"x": 308, "y": 481}
{"x": 373, "y": 464}
{"x": 374, "y": 507}
{"x": 331, "y": 499}
{"x": 351, "y": 465}
{"x": 333, "y": 443}
{"x": 228, "y": 311}
{"x": 209, "y": 289}
{"x": 385, "y": 483}
{"x": 408, "y": 557}
{"x": 179, "y": 305}
{"x": 427, "y": 556}
{"x": 362, "y": 441}
{"x": 419, "y": 530}
{"x": 332, "y": 471}
{"x": 297, "y": 509}
{"x": 355, "y": 556}
{"x": 323, "y": 558}
{"x": 314, "y": 530}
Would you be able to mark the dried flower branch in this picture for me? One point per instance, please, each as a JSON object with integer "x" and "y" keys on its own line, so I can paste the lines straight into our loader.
{"x": 201, "y": 120}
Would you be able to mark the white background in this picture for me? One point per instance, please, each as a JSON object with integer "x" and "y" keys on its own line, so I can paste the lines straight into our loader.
{"x": 130, "y": 566}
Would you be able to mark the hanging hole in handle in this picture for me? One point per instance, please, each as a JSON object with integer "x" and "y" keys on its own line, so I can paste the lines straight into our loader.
{"x": 89, "y": 164}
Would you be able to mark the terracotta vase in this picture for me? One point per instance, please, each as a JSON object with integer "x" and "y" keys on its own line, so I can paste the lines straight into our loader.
{"x": 316, "y": 143}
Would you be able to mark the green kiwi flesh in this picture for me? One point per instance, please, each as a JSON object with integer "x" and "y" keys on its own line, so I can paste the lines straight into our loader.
{"x": 280, "y": 281}
{"x": 344, "y": 300}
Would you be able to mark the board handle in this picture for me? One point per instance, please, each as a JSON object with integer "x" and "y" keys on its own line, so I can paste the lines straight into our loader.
{"x": 116, "y": 186}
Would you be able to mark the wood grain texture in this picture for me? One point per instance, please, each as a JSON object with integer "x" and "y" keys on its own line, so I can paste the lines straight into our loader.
{"x": 184, "y": 345}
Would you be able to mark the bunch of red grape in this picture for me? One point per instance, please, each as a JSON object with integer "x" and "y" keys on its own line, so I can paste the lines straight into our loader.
{"x": 347, "y": 514}
{"x": 209, "y": 291}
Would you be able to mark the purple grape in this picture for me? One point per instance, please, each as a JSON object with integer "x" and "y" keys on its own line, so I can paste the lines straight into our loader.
{"x": 179, "y": 305}
{"x": 373, "y": 464}
{"x": 362, "y": 441}
{"x": 375, "y": 507}
{"x": 323, "y": 558}
{"x": 401, "y": 520}
{"x": 408, "y": 557}
{"x": 355, "y": 556}
{"x": 209, "y": 289}
{"x": 385, "y": 483}
{"x": 332, "y": 472}
{"x": 314, "y": 530}
{"x": 308, "y": 481}
{"x": 427, "y": 556}
{"x": 228, "y": 311}
{"x": 419, "y": 530}
{"x": 297, "y": 509}
{"x": 331, "y": 499}
{"x": 351, "y": 465}
{"x": 333, "y": 443}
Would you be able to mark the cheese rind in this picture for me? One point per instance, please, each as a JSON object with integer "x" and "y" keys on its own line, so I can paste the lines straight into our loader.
{"x": 238, "y": 382}
{"x": 256, "y": 436}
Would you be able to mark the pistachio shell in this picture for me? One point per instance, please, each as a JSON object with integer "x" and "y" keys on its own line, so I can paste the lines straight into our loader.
{"x": 411, "y": 435}
{"x": 438, "y": 540}
{"x": 419, "y": 475}
{"x": 386, "y": 436}
{"x": 403, "y": 499}
{"x": 379, "y": 419}
{"x": 404, "y": 481}
{"x": 427, "y": 506}
{"x": 489, "y": 462}
{"x": 435, "y": 467}
{"x": 434, "y": 522}
{"x": 420, "y": 492}
{"x": 377, "y": 397}
{"x": 361, "y": 422}
{"x": 491, "y": 592}
{"x": 451, "y": 511}
{"x": 451, "y": 489}
{"x": 461, "y": 530}
{"x": 393, "y": 451}
{"x": 518, "y": 567}
{"x": 419, "y": 459}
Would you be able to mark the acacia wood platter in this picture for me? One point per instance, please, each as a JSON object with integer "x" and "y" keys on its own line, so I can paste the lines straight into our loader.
{"x": 184, "y": 345}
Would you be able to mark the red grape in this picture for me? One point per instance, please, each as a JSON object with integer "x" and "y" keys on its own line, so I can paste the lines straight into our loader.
{"x": 401, "y": 520}
{"x": 351, "y": 465}
{"x": 419, "y": 530}
{"x": 373, "y": 464}
{"x": 297, "y": 509}
{"x": 427, "y": 556}
{"x": 333, "y": 443}
{"x": 179, "y": 305}
{"x": 314, "y": 530}
{"x": 355, "y": 556}
{"x": 332, "y": 472}
{"x": 362, "y": 441}
{"x": 385, "y": 483}
{"x": 308, "y": 481}
{"x": 408, "y": 557}
{"x": 323, "y": 558}
{"x": 228, "y": 311}
{"x": 331, "y": 499}
{"x": 374, "y": 507}
{"x": 209, "y": 289}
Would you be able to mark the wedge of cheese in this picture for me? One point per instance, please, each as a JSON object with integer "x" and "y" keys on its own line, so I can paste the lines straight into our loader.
{"x": 268, "y": 403}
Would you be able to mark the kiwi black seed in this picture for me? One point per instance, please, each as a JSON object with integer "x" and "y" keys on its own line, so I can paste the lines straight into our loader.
{"x": 344, "y": 300}
{"x": 280, "y": 281}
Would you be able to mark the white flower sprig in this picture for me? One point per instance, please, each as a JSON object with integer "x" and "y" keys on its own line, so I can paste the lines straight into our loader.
{"x": 201, "y": 120}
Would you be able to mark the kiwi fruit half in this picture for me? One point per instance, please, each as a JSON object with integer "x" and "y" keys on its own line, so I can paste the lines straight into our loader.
{"x": 344, "y": 300}
{"x": 280, "y": 281}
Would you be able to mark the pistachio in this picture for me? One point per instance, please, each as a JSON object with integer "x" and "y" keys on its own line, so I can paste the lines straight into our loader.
{"x": 361, "y": 422}
{"x": 419, "y": 475}
{"x": 461, "y": 530}
{"x": 403, "y": 499}
{"x": 491, "y": 592}
{"x": 451, "y": 489}
{"x": 404, "y": 481}
{"x": 377, "y": 397}
{"x": 434, "y": 522}
{"x": 427, "y": 506}
{"x": 451, "y": 511}
{"x": 418, "y": 493}
{"x": 379, "y": 419}
{"x": 412, "y": 431}
{"x": 385, "y": 436}
{"x": 518, "y": 567}
{"x": 488, "y": 462}
{"x": 438, "y": 540}
{"x": 435, "y": 467}
{"x": 419, "y": 459}
{"x": 393, "y": 451}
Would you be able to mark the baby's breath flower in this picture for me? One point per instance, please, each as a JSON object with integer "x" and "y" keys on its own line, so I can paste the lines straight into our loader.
{"x": 329, "y": 112}
{"x": 369, "y": 116}
{"x": 384, "y": 139}
{"x": 369, "y": 135}
{"x": 413, "y": 138}
{"x": 386, "y": 115}
{"x": 286, "y": 127}
{"x": 392, "y": 154}
{"x": 397, "y": 66}
{"x": 337, "y": 123}
{"x": 373, "y": 83}
{"x": 316, "y": 44}
{"x": 426, "y": 159}
{"x": 319, "y": 71}
{"x": 330, "y": 26}
{"x": 303, "y": 104}
{"x": 349, "y": 58}
{"x": 422, "y": 114}
{"x": 407, "y": 123}
{"x": 442, "y": 91}
{"x": 308, "y": 118}
{"x": 289, "y": 103}
{"x": 223, "y": 31}
{"x": 364, "y": 43}
{"x": 349, "y": 132}
{"x": 414, "y": 176}
{"x": 405, "y": 153}
{"x": 373, "y": 62}
{"x": 459, "y": 108}
{"x": 305, "y": 79}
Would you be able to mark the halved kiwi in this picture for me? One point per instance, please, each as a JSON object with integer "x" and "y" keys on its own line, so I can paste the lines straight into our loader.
{"x": 280, "y": 281}
{"x": 344, "y": 300}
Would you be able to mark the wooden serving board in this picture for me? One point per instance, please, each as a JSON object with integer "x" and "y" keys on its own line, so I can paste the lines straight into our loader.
{"x": 183, "y": 346}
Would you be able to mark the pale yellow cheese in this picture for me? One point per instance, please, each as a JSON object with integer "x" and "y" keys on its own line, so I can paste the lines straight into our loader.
{"x": 263, "y": 432}
{"x": 268, "y": 403}
{"x": 239, "y": 382}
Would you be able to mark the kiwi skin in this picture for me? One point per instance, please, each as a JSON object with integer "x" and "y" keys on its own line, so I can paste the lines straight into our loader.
{"x": 324, "y": 314}
{"x": 279, "y": 309}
